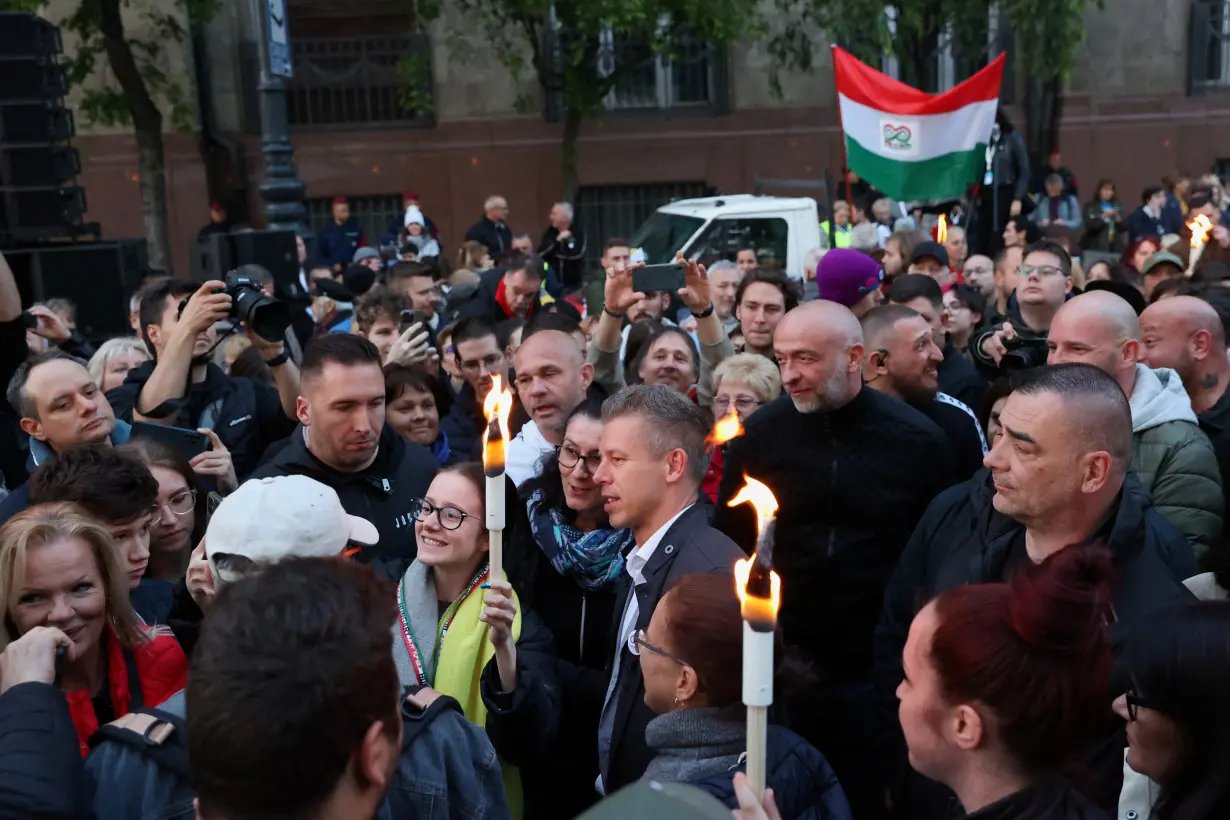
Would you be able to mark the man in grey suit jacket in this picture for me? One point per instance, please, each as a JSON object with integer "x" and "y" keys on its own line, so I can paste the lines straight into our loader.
{"x": 653, "y": 460}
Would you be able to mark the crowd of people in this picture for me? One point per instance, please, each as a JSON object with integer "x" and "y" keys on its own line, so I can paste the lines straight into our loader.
{"x": 249, "y": 576}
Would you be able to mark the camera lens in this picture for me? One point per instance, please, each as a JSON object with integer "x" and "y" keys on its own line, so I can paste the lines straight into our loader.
{"x": 267, "y": 318}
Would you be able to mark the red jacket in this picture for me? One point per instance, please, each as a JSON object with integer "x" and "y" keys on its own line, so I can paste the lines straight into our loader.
{"x": 162, "y": 670}
{"x": 713, "y": 475}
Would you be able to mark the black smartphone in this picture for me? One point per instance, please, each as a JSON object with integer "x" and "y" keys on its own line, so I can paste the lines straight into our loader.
{"x": 411, "y": 317}
{"x": 189, "y": 443}
{"x": 669, "y": 277}
{"x": 28, "y": 320}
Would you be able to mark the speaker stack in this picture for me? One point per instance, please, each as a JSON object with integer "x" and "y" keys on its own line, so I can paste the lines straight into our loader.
{"x": 42, "y": 208}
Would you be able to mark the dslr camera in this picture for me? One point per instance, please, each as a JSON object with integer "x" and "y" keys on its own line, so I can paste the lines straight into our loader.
{"x": 266, "y": 317}
{"x": 1023, "y": 354}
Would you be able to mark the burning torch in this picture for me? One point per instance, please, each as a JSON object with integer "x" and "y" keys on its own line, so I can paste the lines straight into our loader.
{"x": 1200, "y": 227}
{"x": 496, "y": 407}
{"x": 941, "y": 229}
{"x": 760, "y": 595}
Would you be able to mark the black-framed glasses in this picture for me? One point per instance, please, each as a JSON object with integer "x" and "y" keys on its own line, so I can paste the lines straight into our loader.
{"x": 182, "y": 503}
{"x": 450, "y": 518}
{"x": 490, "y": 362}
{"x": 640, "y": 643}
{"x": 1136, "y": 702}
{"x": 570, "y": 458}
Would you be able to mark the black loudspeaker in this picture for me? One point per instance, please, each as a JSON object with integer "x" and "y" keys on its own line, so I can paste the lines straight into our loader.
{"x": 31, "y": 78}
{"x": 25, "y": 35}
{"x": 99, "y": 277}
{"x": 36, "y": 122}
{"x": 32, "y": 213}
{"x": 275, "y": 251}
{"x": 38, "y": 165}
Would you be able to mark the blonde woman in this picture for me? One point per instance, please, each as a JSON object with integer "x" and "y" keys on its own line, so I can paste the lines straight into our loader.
{"x": 110, "y": 364}
{"x": 742, "y": 383}
{"x": 63, "y": 586}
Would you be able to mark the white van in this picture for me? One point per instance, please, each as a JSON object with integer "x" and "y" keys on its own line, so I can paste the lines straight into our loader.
{"x": 782, "y": 230}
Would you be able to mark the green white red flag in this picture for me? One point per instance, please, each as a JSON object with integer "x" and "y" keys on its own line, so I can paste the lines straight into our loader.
{"x": 909, "y": 144}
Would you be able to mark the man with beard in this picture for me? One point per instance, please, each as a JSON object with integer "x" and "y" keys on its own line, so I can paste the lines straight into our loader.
{"x": 724, "y": 279}
{"x": 181, "y": 386}
{"x": 343, "y": 442}
{"x": 852, "y": 470}
{"x": 903, "y": 361}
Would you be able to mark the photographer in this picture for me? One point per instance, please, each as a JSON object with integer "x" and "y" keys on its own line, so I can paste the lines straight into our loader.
{"x": 1042, "y": 285}
{"x": 182, "y": 388}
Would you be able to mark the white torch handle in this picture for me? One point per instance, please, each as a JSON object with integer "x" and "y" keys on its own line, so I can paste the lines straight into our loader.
{"x": 757, "y": 667}
{"x": 495, "y": 502}
{"x": 495, "y": 556}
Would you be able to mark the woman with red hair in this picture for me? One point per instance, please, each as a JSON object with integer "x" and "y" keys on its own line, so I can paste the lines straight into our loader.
{"x": 1135, "y": 254}
{"x": 1005, "y": 684}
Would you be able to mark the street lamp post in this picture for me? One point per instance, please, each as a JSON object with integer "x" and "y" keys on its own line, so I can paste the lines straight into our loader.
{"x": 280, "y": 187}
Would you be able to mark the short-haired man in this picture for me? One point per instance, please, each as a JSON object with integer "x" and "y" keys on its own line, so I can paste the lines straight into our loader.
{"x": 492, "y": 230}
{"x": 60, "y": 407}
{"x": 876, "y": 462}
{"x": 417, "y": 282}
{"x": 746, "y": 260}
{"x": 343, "y": 442}
{"x": 340, "y": 238}
{"x": 504, "y": 293}
{"x": 1058, "y": 208}
{"x": 1146, "y": 221}
{"x": 850, "y": 278}
{"x": 931, "y": 259}
{"x": 957, "y": 246}
{"x": 724, "y": 279}
{"x": 377, "y": 316}
{"x": 903, "y": 361}
{"x": 1170, "y": 455}
{"x": 480, "y": 357}
{"x": 563, "y": 246}
{"x": 653, "y": 462}
{"x": 117, "y": 490}
{"x": 182, "y": 387}
{"x": 979, "y": 272}
{"x": 1058, "y": 477}
{"x": 762, "y": 299}
{"x": 852, "y": 470}
{"x": 958, "y": 378}
{"x": 1042, "y": 285}
{"x": 616, "y": 255}
{"x": 552, "y": 379}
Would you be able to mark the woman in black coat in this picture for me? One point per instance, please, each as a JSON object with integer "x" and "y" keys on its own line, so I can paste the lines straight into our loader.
{"x": 577, "y": 558}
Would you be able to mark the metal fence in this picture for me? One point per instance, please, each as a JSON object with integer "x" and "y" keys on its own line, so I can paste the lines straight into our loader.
{"x": 360, "y": 81}
{"x": 606, "y": 211}
{"x": 375, "y": 213}
{"x": 1210, "y": 45}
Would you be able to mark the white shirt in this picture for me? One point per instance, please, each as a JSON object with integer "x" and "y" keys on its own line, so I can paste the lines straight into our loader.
{"x": 524, "y": 453}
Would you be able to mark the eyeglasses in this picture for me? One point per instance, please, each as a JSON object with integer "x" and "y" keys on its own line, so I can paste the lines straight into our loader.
{"x": 1135, "y": 702}
{"x": 744, "y": 404}
{"x": 450, "y": 518}
{"x": 570, "y": 458}
{"x": 182, "y": 503}
{"x": 490, "y": 363}
{"x": 1043, "y": 271}
{"x": 639, "y": 643}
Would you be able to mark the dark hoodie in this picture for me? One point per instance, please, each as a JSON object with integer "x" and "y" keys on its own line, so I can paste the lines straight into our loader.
{"x": 489, "y": 302}
{"x": 382, "y": 493}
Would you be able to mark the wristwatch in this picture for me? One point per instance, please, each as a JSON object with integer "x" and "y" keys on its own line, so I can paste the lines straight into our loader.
{"x": 280, "y": 359}
{"x": 610, "y": 312}
{"x": 704, "y": 314}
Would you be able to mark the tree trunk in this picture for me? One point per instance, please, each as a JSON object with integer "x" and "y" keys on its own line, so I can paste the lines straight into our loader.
{"x": 570, "y": 152}
{"x": 147, "y": 123}
{"x": 1043, "y": 110}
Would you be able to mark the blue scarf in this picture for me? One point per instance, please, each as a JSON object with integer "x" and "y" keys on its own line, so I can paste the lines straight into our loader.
{"x": 592, "y": 559}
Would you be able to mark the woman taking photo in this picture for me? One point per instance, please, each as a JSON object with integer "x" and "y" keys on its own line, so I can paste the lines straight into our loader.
{"x": 693, "y": 642}
{"x": 60, "y": 570}
{"x": 1005, "y": 684}
{"x": 580, "y": 557}
{"x": 465, "y": 634}
{"x": 1178, "y": 717}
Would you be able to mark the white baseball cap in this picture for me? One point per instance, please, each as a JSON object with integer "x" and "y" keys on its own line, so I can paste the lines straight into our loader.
{"x": 268, "y": 519}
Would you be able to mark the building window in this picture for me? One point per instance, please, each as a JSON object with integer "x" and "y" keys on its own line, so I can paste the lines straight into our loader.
{"x": 360, "y": 81}
{"x": 376, "y": 214}
{"x": 683, "y": 80}
{"x": 1210, "y": 45}
{"x": 940, "y": 63}
{"x": 606, "y": 211}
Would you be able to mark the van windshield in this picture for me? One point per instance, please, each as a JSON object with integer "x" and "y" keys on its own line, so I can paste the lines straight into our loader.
{"x": 663, "y": 234}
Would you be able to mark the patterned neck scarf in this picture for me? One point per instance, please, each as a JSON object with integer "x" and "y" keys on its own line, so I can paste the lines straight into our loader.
{"x": 592, "y": 559}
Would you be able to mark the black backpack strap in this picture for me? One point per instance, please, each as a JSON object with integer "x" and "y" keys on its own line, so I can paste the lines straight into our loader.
{"x": 135, "y": 698}
{"x": 155, "y": 734}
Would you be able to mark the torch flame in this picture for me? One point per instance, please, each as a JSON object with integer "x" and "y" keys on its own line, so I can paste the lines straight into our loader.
{"x": 496, "y": 407}
{"x": 941, "y": 229}
{"x": 726, "y": 428}
{"x": 1200, "y": 227}
{"x": 763, "y": 610}
{"x": 760, "y": 497}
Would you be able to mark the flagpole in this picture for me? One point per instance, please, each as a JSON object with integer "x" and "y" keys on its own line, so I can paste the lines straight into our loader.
{"x": 841, "y": 127}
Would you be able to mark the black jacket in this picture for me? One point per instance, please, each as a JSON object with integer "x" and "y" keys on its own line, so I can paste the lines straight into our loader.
{"x": 1010, "y": 164}
{"x": 464, "y": 425}
{"x": 1048, "y": 800}
{"x": 1215, "y": 422}
{"x": 961, "y": 428}
{"x": 495, "y": 235}
{"x": 336, "y": 243}
{"x": 39, "y": 755}
{"x": 567, "y": 257}
{"x": 851, "y": 485}
{"x": 960, "y": 379}
{"x": 963, "y": 540}
{"x": 1143, "y": 225}
{"x": 249, "y": 420}
{"x": 382, "y": 493}
{"x": 482, "y": 304}
{"x": 689, "y": 547}
{"x": 522, "y": 723}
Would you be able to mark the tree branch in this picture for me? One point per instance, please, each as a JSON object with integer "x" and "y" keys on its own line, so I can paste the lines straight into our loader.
{"x": 146, "y": 117}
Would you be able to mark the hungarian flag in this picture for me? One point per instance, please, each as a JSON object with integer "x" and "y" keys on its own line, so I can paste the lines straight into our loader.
{"x": 909, "y": 144}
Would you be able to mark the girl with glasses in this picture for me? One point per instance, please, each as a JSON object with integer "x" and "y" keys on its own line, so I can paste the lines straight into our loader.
{"x": 465, "y": 634}
{"x": 579, "y": 559}
{"x": 180, "y": 512}
{"x": 1178, "y": 716}
{"x": 690, "y": 658}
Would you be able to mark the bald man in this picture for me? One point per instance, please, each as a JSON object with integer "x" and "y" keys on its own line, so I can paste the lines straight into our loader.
{"x": 1173, "y": 458}
{"x": 852, "y": 470}
{"x": 552, "y": 376}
